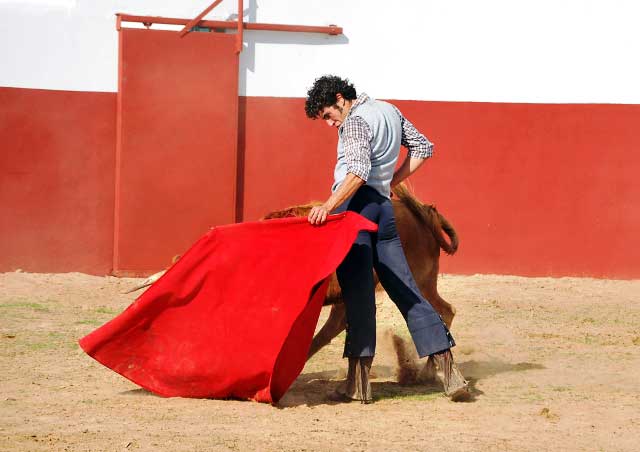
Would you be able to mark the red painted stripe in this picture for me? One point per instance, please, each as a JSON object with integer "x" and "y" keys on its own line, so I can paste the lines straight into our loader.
{"x": 533, "y": 189}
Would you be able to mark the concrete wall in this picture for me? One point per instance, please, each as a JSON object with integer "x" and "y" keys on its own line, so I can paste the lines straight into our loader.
{"x": 533, "y": 107}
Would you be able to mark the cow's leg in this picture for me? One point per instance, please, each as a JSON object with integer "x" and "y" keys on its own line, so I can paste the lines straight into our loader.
{"x": 446, "y": 310}
{"x": 428, "y": 285}
{"x": 335, "y": 324}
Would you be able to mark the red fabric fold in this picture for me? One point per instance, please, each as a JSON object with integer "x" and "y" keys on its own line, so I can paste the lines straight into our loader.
{"x": 235, "y": 316}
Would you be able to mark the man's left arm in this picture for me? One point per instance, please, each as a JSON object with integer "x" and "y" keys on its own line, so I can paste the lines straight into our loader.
{"x": 419, "y": 147}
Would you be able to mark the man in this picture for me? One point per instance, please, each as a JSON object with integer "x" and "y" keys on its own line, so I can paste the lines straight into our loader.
{"x": 370, "y": 133}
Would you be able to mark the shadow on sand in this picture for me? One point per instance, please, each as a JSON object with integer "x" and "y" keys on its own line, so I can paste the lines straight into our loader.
{"x": 138, "y": 392}
{"x": 311, "y": 389}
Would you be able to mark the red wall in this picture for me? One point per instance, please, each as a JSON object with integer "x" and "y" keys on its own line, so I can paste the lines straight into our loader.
{"x": 533, "y": 189}
{"x": 286, "y": 159}
{"x": 56, "y": 180}
{"x": 536, "y": 189}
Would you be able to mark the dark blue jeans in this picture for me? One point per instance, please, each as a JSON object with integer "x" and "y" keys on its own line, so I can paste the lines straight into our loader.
{"x": 383, "y": 252}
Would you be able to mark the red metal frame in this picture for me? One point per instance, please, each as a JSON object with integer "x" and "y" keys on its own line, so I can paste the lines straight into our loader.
{"x": 240, "y": 26}
{"x": 330, "y": 30}
{"x": 118, "y": 158}
{"x": 188, "y": 24}
{"x": 124, "y": 263}
{"x": 193, "y": 22}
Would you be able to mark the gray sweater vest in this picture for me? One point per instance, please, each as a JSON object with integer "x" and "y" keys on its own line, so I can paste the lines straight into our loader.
{"x": 386, "y": 128}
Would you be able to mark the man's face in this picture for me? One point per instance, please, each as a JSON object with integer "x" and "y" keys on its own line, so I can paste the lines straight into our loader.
{"x": 335, "y": 114}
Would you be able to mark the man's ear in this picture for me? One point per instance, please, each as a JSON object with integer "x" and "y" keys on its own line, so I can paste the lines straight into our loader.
{"x": 338, "y": 97}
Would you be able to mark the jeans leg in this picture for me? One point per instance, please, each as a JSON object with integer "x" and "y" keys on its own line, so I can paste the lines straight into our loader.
{"x": 355, "y": 276}
{"x": 429, "y": 333}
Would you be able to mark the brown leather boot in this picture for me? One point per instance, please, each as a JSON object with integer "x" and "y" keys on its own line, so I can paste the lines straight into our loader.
{"x": 357, "y": 383}
{"x": 455, "y": 386}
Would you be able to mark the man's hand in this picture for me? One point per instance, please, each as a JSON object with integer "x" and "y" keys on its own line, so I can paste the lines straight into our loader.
{"x": 348, "y": 187}
{"x": 318, "y": 215}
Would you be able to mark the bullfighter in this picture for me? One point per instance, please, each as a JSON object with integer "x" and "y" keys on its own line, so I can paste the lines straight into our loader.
{"x": 370, "y": 133}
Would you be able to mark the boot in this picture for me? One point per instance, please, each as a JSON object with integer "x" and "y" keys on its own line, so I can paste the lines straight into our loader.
{"x": 455, "y": 386}
{"x": 357, "y": 383}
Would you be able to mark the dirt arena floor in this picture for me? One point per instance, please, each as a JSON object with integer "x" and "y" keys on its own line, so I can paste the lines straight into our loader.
{"x": 554, "y": 365}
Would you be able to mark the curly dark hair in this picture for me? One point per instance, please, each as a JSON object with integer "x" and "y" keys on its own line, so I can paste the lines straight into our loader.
{"x": 323, "y": 93}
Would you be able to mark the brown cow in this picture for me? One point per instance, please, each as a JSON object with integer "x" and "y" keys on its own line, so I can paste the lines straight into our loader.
{"x": 422, "y": 232}
{"x": 421, "y": 228}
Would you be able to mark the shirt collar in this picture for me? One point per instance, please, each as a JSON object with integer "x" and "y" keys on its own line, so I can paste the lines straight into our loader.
{"x": 361, "y": 99}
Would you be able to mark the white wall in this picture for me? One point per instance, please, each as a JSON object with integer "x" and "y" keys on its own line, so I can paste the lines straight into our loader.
{"x": 560, "y": 51}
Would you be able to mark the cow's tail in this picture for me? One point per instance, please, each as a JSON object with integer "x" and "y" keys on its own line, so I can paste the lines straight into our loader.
{"x": 430, "y": 217}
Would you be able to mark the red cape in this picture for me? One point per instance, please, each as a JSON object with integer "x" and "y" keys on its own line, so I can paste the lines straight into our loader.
{"x": 234, "y": 317}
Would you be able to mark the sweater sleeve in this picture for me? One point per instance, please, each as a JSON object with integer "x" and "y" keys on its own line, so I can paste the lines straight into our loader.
{"x": 356, "y": 136}
{"x": 418, "y": 145}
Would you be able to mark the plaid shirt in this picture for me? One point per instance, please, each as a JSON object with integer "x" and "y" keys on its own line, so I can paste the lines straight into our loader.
{"x": 356, "y": 136}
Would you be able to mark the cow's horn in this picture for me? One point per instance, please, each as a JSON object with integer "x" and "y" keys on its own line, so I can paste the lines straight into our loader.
{"x": 147, "y": 282}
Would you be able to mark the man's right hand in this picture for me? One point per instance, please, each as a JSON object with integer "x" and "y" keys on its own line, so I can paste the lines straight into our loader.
{"x": 318, "y": 215}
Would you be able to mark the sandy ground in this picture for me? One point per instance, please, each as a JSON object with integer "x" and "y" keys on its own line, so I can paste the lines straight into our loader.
{"x": 554, "y": 365}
